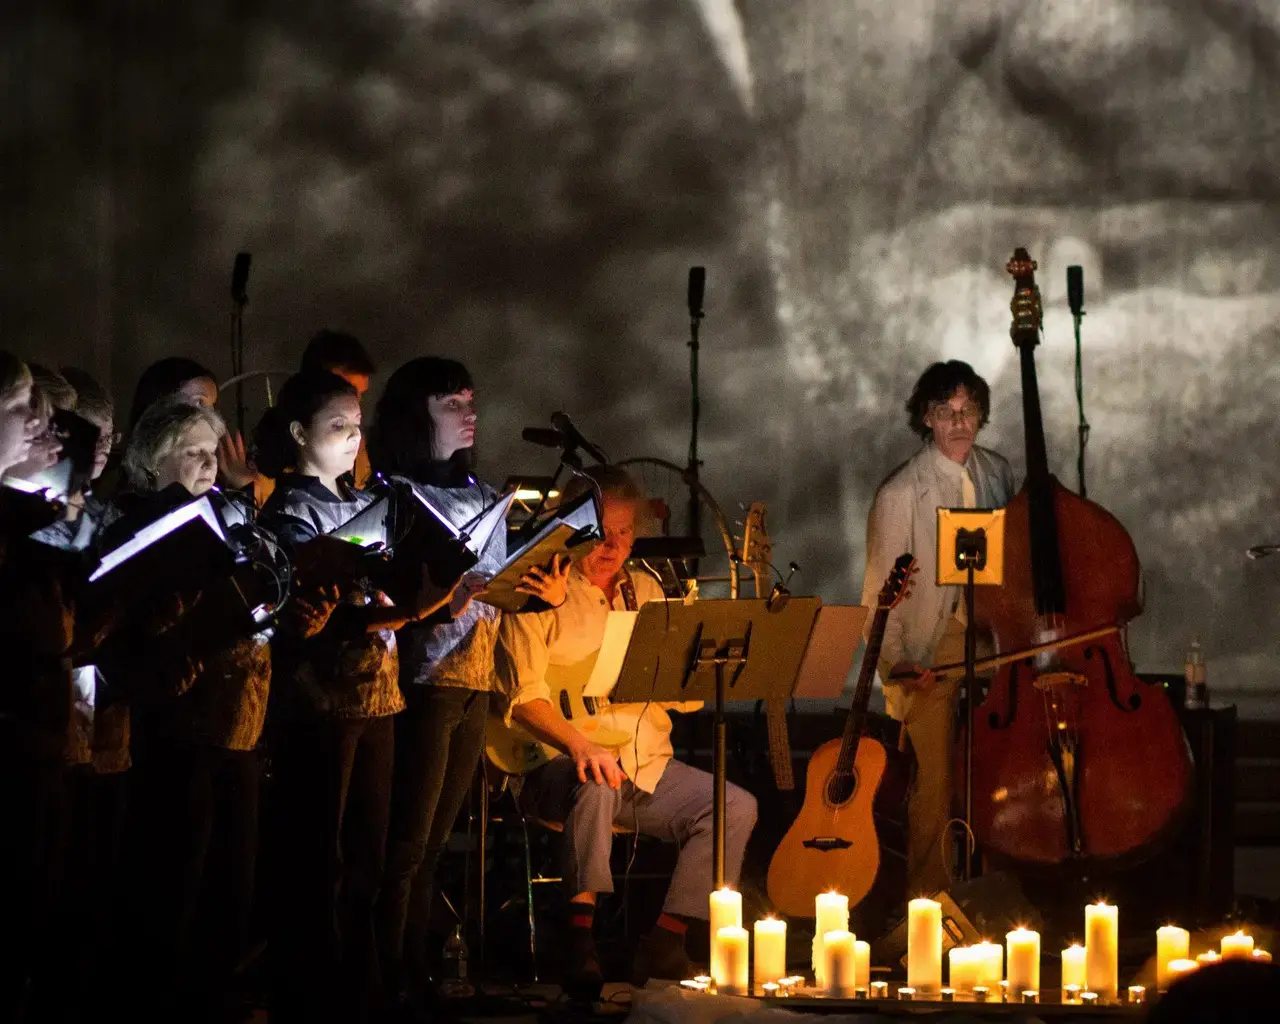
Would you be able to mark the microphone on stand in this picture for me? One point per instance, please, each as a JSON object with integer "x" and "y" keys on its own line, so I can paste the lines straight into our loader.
{"x": 547, "y": 437}
{"x": 1075, "y": 290}
{"x": 572, "y": 440}
{"x": 240, "y": 277}
{"x": 697, "y": 288}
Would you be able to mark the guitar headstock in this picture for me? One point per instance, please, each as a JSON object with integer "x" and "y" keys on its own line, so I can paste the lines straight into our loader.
{"x": 1028, "y": 313}
{"x": 897, "y": 586}
{"x": 757, "y": 548}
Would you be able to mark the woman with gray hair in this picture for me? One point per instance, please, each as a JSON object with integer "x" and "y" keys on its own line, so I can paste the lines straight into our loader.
{"x": 198, "y": 701}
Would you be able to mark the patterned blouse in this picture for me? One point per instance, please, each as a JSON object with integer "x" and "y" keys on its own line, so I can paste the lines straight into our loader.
{"x": 342, "y": 671}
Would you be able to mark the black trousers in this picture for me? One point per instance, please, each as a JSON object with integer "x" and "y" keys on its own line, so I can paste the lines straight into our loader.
{"x": 193, "y": 845}
{"x": 332, "y": 796}
{"x": 33, "y": 835}
{"x": 439, "y": 739}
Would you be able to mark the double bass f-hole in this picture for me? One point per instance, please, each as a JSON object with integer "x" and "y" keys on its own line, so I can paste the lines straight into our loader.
{"x": 1135, "y": 699}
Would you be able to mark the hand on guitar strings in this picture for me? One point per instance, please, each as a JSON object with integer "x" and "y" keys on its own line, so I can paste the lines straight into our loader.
{"x": 912, "y": 678}
{"x": 599, "y": 761}
{"x": 550, "y": 585}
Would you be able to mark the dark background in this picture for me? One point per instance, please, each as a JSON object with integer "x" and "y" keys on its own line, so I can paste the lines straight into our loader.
{"x": 524, "y": 185}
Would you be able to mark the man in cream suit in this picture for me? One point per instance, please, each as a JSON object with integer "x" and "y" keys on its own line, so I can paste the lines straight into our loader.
{"x": 948, "y": 407}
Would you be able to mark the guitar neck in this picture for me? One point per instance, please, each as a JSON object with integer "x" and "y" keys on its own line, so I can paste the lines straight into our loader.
{"x": 866, "y": 674}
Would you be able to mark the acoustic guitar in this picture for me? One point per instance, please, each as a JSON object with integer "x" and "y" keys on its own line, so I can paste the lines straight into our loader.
{"x": 833, "y": 843}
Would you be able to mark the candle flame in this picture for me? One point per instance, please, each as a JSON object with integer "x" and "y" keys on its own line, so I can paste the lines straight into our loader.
{"x": 1239, "y": 934}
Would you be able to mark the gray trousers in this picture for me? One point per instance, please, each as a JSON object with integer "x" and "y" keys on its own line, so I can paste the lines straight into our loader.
{"x": 677, "y": 811}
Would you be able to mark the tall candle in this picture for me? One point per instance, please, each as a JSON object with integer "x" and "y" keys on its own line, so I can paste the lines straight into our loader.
{"x": 1172, "y": 943}
{"x": 771, "y": 950}
{"x": 732, "y": 962}
{"x": 839, "y": 963}
{"x": 726, "y": 912}
{"x": 861, "y": 964}
{"x": 1023, "y": 960}
{"x": 1101, "y": 949}
{"x": 990, "y": 964}
{"x": 1237, "y": 947}
{"x": 963, "y": 963}
{"x": 1073, "y": 972}
{"x": 924, "y": 946}
{"x": 831, "y": 913}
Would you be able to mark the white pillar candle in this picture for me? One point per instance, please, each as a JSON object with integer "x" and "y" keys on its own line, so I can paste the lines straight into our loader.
{"x": 831, "y": 914}
{"x": 990, "y": 965}
{"x": 1023, "y": 960}
{"x": 726, "y": 912}
{"x": 924, "y": 946}
{"x": 1237, "y": 947}
{"x": 1073, "y": 972}
{"x": 1172, "y": 943}
{"x": 732, "y": 961}
{"x": 839, "y": 963}
{"x": 1101, "y": 949}
{"x": 963, "y": 962}
{"x": 862, "y": 964}
{"x": 771, "y": 950}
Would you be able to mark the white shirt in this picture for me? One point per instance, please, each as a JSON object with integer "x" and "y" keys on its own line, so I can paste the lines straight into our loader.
{"x": 530, "y": 642}
{"x": 904, "y": 517}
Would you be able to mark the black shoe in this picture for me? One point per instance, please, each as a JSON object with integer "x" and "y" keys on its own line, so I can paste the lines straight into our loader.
{"x": 583, "y": 980}
{"x": 660, "y": 954}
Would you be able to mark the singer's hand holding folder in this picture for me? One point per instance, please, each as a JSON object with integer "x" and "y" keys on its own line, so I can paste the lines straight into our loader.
{"x": 572, "y": 530}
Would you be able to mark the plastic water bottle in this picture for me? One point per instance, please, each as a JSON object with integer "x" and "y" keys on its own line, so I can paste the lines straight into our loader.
{"x": 453, "y": 976}
{"x": 1196, "y": 676}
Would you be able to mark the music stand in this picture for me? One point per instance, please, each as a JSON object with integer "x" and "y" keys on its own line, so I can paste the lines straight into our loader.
{"x": 726, "y": 649}
{"x": 970, "y": 553}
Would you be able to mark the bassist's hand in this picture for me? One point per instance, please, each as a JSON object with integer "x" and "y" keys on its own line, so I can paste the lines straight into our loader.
{"x": 597, "y": 762}
{"x": 912, "y": 678}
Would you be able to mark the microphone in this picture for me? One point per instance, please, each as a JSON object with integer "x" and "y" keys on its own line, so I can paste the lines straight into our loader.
{"x": 1262, "y": 551}
{"x": 571, "y": 439}
{"x": 547, "y": 437}
{"x": 697, "y": 286}
{"x": 1075, "y": 290}
{"x": 240, "y": 277}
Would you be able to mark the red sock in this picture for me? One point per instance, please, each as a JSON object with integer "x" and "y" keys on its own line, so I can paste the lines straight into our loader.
{"x": 673, "y": 924}
{"x": 582, "y": 916}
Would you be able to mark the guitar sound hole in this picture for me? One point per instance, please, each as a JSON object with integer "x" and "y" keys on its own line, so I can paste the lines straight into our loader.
{"x": 566, "y": 708}
{"x": 590, "y": 704}
{"x": 841, "y": 786}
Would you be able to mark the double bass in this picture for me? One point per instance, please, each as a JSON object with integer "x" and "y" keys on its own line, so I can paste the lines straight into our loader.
{"x": 1074, "y": 757}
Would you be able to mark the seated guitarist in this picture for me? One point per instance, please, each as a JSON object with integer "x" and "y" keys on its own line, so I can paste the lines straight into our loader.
{"x": 591, "y": 788}
{"x": 947, "y": 408}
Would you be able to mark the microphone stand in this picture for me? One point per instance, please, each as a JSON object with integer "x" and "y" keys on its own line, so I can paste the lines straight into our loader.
{"x": 239, "y": 299}
{"x": 695, "y": 502}
{"x": 1077, "y": 314}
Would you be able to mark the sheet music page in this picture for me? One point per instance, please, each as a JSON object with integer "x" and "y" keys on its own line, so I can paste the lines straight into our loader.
{"x": 200, "y": 508}
{"x": 613, "y": 651}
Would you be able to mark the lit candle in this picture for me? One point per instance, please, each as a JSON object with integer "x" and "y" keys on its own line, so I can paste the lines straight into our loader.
{"x": 1137, "y": 994}
{"x": 1261, "y": 956}
{"x": 1101, "y": 949}
{"x": 771, "y": 950}
{"x": 831, "y": 913}
{"x": 1208, "y": 958}
{"x": 1237, "y": 947}
{"x": 990, "y": 964}
{"x": 1030, "y": 996}
{"x": 963, "y": 963}
{"x": 694, "y": 984}
{"x": 771, "y": 989}
{"x": 1073, "y": 972}
{"x": 879, "y": 989}
{"x": 1172, "y": 943}
{"x": 980, "y": 993}
{"x": 906, "y": 993}
{"x": 726, "y": 912}
{"x": 839, "y": 966}
{"x": 732, "y": 961}
{"x": 1181, "y": 968}
{"x": 861, "y": 964}
{"x": 1023, "y": 960}
{"x": 1071, "y": 993}
{"x": 924, "y": 946}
